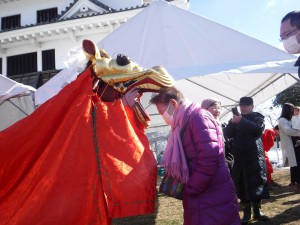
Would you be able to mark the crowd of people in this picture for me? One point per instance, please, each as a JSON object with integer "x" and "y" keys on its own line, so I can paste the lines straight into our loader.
{"x": 209, "y": 187}
{"x": 204, "y": 150}
{"x": 251, "y": 142}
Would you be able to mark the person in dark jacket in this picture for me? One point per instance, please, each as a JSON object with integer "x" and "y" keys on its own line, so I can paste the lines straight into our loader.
{"x": 249, "y": 169}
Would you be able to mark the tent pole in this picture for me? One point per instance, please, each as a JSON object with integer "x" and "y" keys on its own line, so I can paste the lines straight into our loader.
{"x": 262, "y": 87}
{"x": 18, "y": 107}
{"x": 218, "y": 93}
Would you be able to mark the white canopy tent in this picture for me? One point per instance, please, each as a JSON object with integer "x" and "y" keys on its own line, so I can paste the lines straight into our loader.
{"x": 16, "y": 101}
{"x": 204, "y": 57}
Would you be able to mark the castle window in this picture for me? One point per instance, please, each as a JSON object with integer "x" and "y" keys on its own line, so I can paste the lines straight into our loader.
{"x": 20, "y": 64}
{"x": 48, "y": 59}
{"x": 46, "y": 15}
{"x": 10, "y": 22}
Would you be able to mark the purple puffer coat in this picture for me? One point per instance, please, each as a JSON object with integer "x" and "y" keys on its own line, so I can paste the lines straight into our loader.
{"x": 209, "y": 197}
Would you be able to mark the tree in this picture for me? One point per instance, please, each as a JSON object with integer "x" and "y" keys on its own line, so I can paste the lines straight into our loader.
{"x": 271, "y": 113}
{"x": 291, "y": 95}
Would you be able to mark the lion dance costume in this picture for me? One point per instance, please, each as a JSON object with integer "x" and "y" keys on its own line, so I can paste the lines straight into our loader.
{"x": 82, "y": 157}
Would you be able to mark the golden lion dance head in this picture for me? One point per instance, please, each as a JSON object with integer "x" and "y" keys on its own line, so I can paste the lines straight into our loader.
{"x": 114, "y": 77}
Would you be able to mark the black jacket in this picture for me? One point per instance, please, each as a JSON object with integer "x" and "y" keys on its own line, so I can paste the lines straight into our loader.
{"x": 249, "y": 169}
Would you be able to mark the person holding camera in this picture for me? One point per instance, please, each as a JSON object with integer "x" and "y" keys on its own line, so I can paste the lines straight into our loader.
{"x": 249, "y": 168}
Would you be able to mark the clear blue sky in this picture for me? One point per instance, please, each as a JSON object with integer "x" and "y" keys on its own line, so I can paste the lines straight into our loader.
{"x": 257, "y": 18}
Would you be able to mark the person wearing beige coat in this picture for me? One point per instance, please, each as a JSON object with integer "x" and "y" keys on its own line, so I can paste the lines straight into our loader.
{"x": 288, "y": 152}
{"x": 290, "y": 157}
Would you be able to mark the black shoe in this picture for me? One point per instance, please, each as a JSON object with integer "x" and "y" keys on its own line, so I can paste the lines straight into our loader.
{"x": 257, "y": 213}
{"x": 272, "y": 187}
{"x": 261, "y": 217}
{"x": 247, "y": 213}
{"x": 273, "y": 183}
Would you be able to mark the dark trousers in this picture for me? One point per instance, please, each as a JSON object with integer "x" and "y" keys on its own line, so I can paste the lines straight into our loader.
{"x": 295, "y": 170}
{"x": 242, "y": 196}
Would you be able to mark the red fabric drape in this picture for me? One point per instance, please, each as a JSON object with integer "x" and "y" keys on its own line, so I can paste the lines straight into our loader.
{"x": 57, "y": 168}
{"x": 268, "y": 141}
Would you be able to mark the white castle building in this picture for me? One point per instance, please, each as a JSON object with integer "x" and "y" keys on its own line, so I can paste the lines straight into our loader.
{"x": 35, "y": 35}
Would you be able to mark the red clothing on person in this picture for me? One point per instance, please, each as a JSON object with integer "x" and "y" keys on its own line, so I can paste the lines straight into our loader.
{"x": 58, "y": 168}
{"x": 268, "y": 137}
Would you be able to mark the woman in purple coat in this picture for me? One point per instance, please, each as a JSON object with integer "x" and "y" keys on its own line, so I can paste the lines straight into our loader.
{"x": 209, "y": 196}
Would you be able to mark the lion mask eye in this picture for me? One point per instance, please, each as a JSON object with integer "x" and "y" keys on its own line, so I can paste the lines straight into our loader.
{"x": 122, "y": 60}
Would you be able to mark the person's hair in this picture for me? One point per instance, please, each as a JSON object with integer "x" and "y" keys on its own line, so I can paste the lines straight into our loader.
{"x": 287, "y": 111}
{"x": 276, "y": 127}
{"x": 210, "y": 101}
{"x": 164, "y": 96}
{"x": 294, "y": 17}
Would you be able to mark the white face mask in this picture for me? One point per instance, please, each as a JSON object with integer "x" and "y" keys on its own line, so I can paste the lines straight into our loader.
{"x": 291, "y": 44}
{"x": 167, "y": 117}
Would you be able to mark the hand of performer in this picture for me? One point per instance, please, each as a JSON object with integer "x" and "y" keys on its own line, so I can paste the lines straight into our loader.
{"x": 131, "y": 97}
